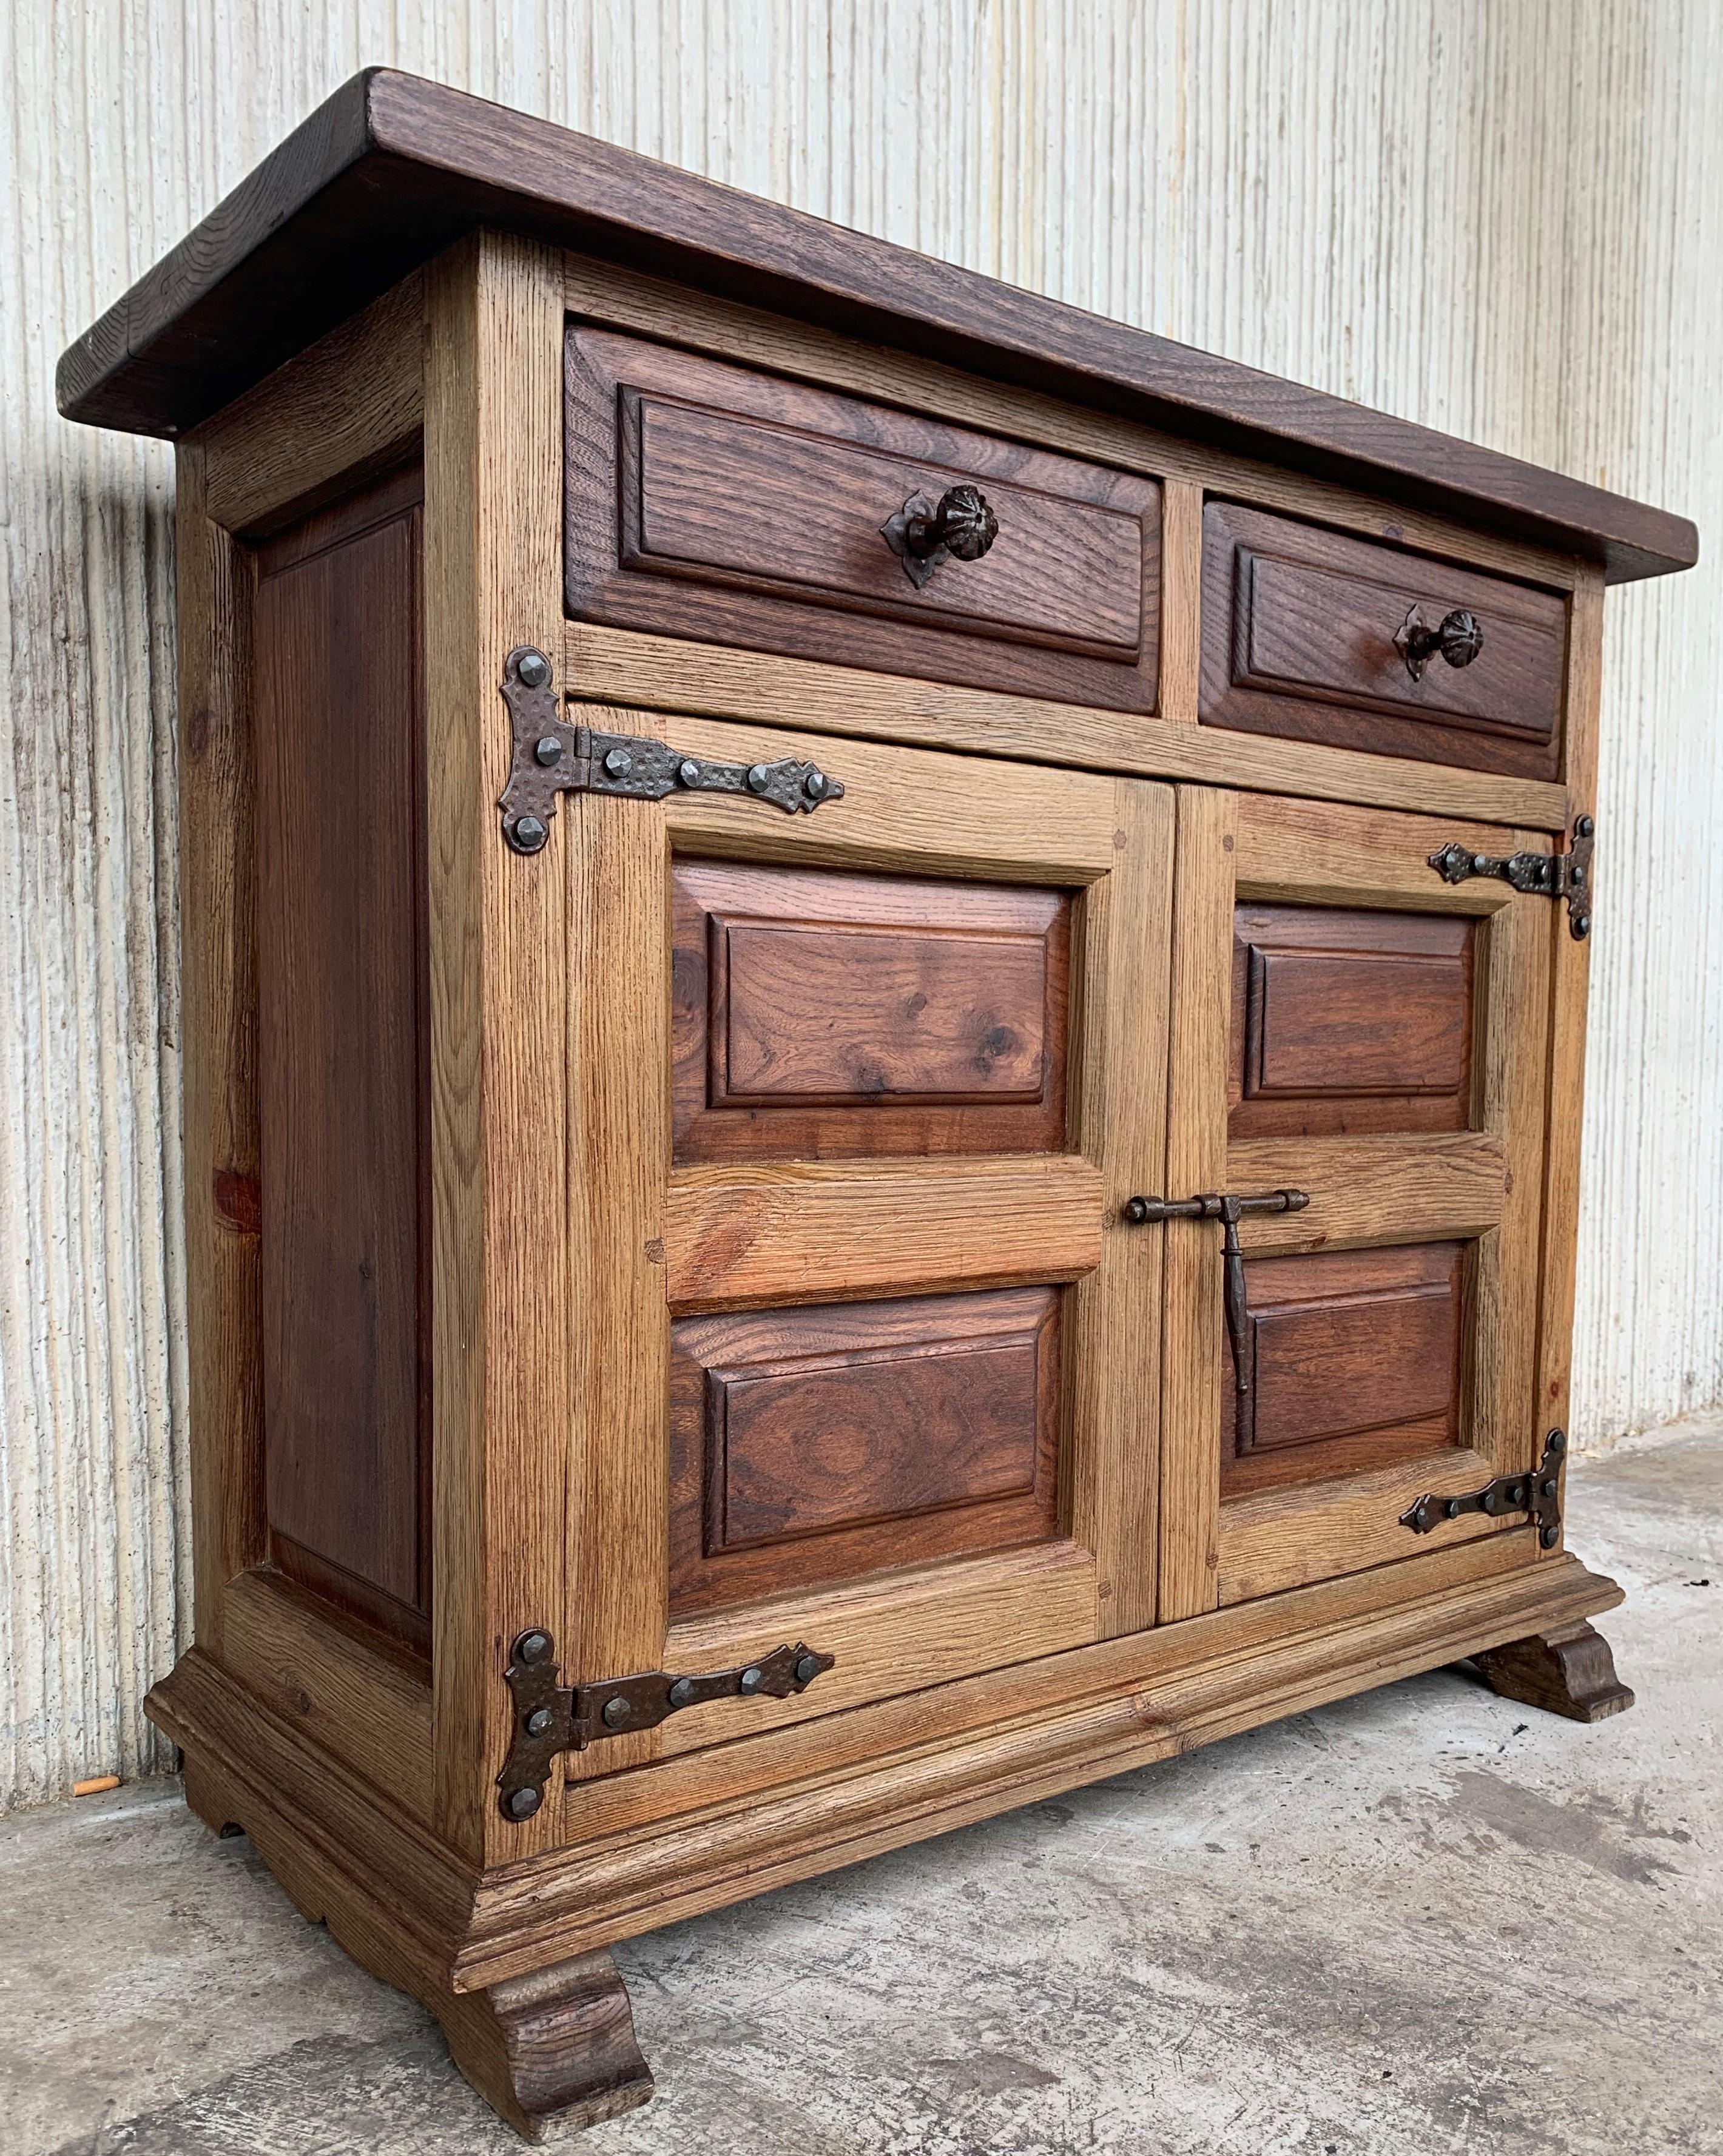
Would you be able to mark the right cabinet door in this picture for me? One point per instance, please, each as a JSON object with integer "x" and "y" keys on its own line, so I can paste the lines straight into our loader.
{"x": 1346, "y": 1025}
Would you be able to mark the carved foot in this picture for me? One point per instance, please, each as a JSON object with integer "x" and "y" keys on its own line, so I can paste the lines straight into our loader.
{"x": 553, "y": 2051}
{"x": 1569, "y": 1672}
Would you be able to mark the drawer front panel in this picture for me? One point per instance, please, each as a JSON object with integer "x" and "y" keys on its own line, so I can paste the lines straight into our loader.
{"x": 814, "y": 1445}
{"x": 1346, "y": 1021}
{"x": 817, "y": 1016}
{"x": 1299, "y": 639}
{"x": 1354, "y": 1362}
{"x": 709, "y": 501}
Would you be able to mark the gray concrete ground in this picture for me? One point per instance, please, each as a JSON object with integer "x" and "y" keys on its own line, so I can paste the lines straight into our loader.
{"x": 1424, "y": 1920}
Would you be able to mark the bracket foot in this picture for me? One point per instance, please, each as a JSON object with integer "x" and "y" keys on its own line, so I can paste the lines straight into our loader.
{"x": 553, "y": 2051}
{"x": 1569, "y": 1672}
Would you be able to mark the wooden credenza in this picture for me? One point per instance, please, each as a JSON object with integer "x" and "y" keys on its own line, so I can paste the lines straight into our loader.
{"x": 884, "y": 996}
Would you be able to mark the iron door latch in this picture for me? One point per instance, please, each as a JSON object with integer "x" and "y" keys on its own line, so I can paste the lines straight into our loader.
{"x": 1552, "y": 876}
{"x": 1228, "y": 1208}
{"x": 553, "y": 755}
{"x": 1539, "y": 1495}
{"x": 550, "y": 1717}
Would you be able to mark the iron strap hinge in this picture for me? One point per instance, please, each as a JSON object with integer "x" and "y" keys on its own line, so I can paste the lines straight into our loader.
{"x": 553, "y": 754}
{"x": 1538, "y": 1495}
{"x": 1552, "y": 876}
{"x": 550, "y": 1717}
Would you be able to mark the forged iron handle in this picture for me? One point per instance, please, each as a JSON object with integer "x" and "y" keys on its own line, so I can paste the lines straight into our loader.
{"x": 960, "y": 525}
{"x": 1228, "y": 1207}
{"x": 1457, "y": 638}
{"x": 964, "y": 524}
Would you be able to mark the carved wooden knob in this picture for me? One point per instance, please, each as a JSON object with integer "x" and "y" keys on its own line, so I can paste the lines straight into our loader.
{"x": 1457, "y": 638}
{"x": 922, "y": 536}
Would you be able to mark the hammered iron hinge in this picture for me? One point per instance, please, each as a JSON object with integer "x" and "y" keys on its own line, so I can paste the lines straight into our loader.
{"x": 550, "y": 1717}
{"x": 1539, "y": 1495}
{"x": 1553, "y": 875}
{"x": 553, "y": 754}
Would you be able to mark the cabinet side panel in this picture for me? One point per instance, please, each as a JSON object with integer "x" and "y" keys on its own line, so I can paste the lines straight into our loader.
{"x": 339, "y": 711}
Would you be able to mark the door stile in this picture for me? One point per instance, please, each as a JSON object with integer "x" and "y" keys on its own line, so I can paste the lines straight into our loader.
{"x": 618, "y": 856}
{"x": 1119, "y": 1125}
{"x": 1196, "y": 1158}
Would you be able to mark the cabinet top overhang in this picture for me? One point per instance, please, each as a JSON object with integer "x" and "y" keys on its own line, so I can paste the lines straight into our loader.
{"x": 391, "y": 169}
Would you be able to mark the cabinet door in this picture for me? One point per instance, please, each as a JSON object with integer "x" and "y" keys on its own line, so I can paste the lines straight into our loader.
{"x": 1348, "y": 1025}
{"x": 869, "y": 1359}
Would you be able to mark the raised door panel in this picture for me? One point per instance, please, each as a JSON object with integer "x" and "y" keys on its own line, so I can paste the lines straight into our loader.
{"x": 1354, "y": 1028}
{"x": 871, "y": 1096}
{"x": 827, "y": 1442}
{"x": 824, "y": 1016}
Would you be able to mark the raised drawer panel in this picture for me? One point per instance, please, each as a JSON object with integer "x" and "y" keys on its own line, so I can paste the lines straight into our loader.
{"x": 709, "y": 501}
{"x": 817, "y": 1016}
{"x": 813, "y": 1444}
{"x": 1299, "y": 639}
{"x": 1348, "y": 1021}
{"x": 1354, "y": 1364}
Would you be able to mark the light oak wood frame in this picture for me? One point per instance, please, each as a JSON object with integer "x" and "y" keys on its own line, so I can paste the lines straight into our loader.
{"x": 737, "y": 1236}
{"x": 1483, "y": 1184}
{"x": 366, "y": 1776}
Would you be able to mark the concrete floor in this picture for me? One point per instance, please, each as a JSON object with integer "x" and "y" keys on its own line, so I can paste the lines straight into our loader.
{"x": 1424, "y": 1920}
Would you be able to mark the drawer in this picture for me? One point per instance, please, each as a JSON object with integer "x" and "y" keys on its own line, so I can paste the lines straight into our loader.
{"x": 1299, "y": 629}
{"x": 707, "y": 501}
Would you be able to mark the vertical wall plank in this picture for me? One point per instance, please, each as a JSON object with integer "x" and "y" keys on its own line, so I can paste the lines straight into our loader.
{"x": 1495, "y": 219}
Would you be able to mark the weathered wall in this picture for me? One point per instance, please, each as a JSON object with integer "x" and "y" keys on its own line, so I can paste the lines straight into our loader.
{"x": 1497, "y": 217}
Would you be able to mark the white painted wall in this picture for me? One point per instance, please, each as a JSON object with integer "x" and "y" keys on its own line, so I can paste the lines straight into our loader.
{"x": 1499, "y": 218}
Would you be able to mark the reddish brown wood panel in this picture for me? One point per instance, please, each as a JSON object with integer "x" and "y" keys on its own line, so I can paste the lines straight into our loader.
{"x": 1356, "y": 1362}
{"x": 1348, "y": 1021}
{"x": 338, "y": 709}
{"x": 707, "y": 501}
{"x": 815, "y": 1445}
{"x": 1298, "y": 639}
{"x": 821, "y": 1016}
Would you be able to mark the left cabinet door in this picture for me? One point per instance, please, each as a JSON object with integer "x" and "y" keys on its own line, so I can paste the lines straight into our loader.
{"x": 869, "y": 1359}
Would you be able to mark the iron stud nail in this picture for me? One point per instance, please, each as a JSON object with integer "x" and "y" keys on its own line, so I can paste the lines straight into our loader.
{"x": 616, "y": 1712}
{"x": 807, "y": 1669}
{"x": 752, "y": 1678}
{"x": 540, "y": 1722}
{"x": 688, "y": 772}
{"x": 1452, "y": 1508}
{"x": 619, "y": 762}
{"x": 532, "y": 1647}
{"x": 1480, "y": 862}
{"x": 1583, "y": 927}
{"x": 1550, "y": 1538}
{"x": 1584, "y": 827}
{"x": 815, "y": 784}
{"x": 533, "y": 669}
{"x": 1557, "y": 1442}
{"x": 523, "y": 1803}
{"x": 529, "y": 834}
{"x": 1549, "y": 1487}
{"x": 759, "y": 777}
{"x": 682, "y": 1692}
{"x": 547, "y": 749}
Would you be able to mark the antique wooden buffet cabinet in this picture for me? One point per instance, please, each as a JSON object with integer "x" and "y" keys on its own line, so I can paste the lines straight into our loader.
{"x": 884, "y": 993}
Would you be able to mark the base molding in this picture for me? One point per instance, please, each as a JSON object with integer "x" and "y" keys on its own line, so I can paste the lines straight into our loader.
{"x": 1568, "y": 1671}
{"x": 514, "y": 1961}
